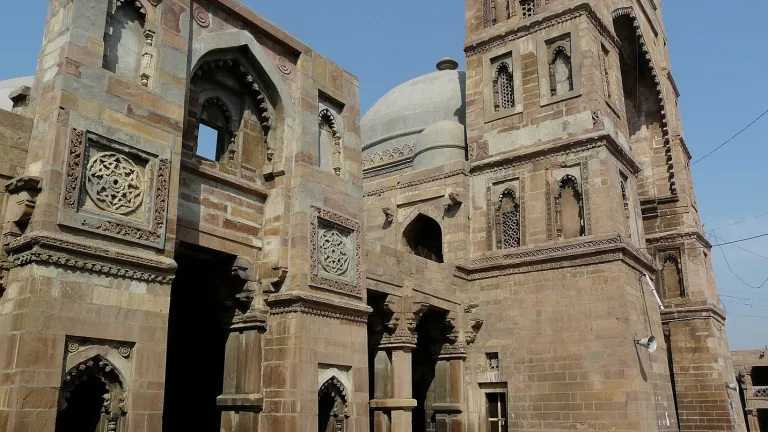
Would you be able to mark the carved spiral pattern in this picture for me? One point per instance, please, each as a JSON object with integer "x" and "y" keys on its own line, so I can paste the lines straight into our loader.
{"x": 73, "y": 346}
{"x": 334, "y": 253}
{"x": 201, "y": 15}
{"x": 124, "y": 351}
{"x": 114, "y": 183}
{"x": 284, "y": 65}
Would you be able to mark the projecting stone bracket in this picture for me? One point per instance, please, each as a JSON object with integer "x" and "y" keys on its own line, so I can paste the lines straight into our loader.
{"x": 22, "y": 198}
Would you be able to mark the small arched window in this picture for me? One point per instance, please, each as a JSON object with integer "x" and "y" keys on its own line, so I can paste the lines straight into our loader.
{"x": 215, "y": 139}
{"x": 91, "y": 398}
{"x": 503, "y": 88}
{"x": 332, "y": 407}
{"x": 560, "y": 71}
{"x": 425, "y": 238}
{"x": 124, "y": 38}
{"x": 508, "y": 221}
{"x": 329, "y": 143}
{"x": 569, "y": 209}
{"x": 672, "y": 277}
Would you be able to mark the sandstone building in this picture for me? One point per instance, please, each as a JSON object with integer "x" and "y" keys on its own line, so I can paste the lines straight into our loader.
{"x": 751, "y": 369}
{"x": 201, "y": 233}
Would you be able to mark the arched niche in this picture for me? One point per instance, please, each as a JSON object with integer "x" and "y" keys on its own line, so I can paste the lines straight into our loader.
{"x": 333, "y": 406}
{"x": 221, "y": 45}
{"x": 93, "y": 396}
{"x": 423, "y": 235}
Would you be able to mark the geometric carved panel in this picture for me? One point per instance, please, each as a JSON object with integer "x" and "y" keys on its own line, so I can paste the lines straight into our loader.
{"x": 114, "y": 189}
{"x": 335, "y": 252}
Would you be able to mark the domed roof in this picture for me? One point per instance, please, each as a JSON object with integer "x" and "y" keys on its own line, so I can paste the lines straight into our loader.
{"x": 414, "y": 105}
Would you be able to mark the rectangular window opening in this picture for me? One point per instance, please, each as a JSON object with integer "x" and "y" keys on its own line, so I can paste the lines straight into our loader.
{"x": 207, "y": 142}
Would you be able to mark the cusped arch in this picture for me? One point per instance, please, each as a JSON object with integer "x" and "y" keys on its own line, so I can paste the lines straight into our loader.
{"x": 234, "y": 39}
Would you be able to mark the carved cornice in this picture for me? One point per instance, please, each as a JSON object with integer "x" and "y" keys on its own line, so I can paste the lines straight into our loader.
{"x": 488, "y": 41}
{"x": 317, "y": 305}
{"x": 570, "y": 254}
{"x": 418, "y": 182}
{"x": 54, "y": 249}
{"x": 695, "y": 310}
{"x": 582, "y": 144}
{"x": 677, "y": 237}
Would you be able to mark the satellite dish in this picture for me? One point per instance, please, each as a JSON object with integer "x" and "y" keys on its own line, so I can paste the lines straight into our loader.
{"x": 648, "y": 343}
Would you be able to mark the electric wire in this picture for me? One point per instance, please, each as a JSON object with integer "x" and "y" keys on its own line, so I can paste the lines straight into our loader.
{"x": 730, "y": 139}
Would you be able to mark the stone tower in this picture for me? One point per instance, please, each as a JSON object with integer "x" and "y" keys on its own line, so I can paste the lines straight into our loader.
{"x": 183, "y": 248}
{"x": 579, "y": 168}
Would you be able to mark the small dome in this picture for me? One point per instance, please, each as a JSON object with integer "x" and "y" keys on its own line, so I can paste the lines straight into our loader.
{"x": 440, "y": 143}
{"x": 409, "y": 108}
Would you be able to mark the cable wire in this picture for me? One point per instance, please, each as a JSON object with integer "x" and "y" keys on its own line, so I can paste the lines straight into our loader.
{"x": 730, "y": 139}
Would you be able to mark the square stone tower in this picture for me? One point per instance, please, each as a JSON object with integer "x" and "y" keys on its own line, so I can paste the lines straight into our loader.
{"x": 580, "y": 188}
{"x": 183, "y": 250}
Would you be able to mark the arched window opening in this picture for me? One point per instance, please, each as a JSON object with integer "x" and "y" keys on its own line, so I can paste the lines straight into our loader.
{"x": 528, "y": 7}
{"x": 232, "y": 112}
{"x": 503, "y": 88}
{"x": 625, "y": 202}
{"x": 560, "y": 71}
{"x": 425, "y": 238}
{"x": 332, "y": 407}
{"x": 215, "y": 139}
{"x": 672, "y": 276}
{"x": 124, "y": 38}
{"x": 569, "y": 208}
{"x": 508, "y": 221}
{"x": 329, "y": 143}
{"x": 91, "y": 399}
{"x": 607, "y": 82}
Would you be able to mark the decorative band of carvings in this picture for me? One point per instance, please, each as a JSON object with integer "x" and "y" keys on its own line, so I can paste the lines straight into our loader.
{"x": 41, "y": 247}
{"x": 602, "y": 139}
{"x": 677, "y": 237}
{"x": 693, "y": 311}
{"x": 405, "y": 185}
{"x": 312, "y": 304}
{"x": 74, "y": 168}
{"x": 393, "y": 155}
{"x": 544, "y": 22}
{"x": 579, "y": 253}
{"x": 381, "y": 170}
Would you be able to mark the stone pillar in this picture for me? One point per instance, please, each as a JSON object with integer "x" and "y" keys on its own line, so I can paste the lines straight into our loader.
{"x": 393, "y": 392}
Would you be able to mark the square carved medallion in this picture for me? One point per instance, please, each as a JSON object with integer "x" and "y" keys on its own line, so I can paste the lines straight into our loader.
{"x": 114, "y": 189}
{"x": 335, "y": 252}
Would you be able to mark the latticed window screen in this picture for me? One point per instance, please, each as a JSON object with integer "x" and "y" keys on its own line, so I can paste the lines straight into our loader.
{"x": 508, "y": 234}
{"x": 528, "y": 7}
{"x": 503, "y": 88}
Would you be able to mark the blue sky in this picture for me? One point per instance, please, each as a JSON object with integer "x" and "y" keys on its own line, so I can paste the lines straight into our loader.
{"x": 716, "y": 60}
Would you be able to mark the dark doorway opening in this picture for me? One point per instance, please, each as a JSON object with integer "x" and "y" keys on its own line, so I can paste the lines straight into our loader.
{"x": 200, "y": 295}
{"x": 429, "y": 335}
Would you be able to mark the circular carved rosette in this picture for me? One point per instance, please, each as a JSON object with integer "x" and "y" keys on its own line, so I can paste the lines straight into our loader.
{"x": 124, "y": 351}
{"x": 73, "y": 346}
{"x": 334, "y": 254}
{"x": 284, "y": 65}
{"x": 114, "y": 183}
{"x": 202, "y": 17}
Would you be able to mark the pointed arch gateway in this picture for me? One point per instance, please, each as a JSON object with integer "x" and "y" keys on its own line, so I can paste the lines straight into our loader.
{"x": 332, "y": 402}
{"x": 92, "y": 398}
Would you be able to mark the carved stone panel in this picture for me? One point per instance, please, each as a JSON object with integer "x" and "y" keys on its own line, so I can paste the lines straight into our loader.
{"x": 115, "y": 189}
{"x": 335, "y": 251}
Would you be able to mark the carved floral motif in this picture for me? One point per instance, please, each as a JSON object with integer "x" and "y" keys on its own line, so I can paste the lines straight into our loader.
{"x": 114, "y": 183}
{"x": 388, "y": 155}
{"x": 326, "y": 255}
{"x": 74, "y": 162}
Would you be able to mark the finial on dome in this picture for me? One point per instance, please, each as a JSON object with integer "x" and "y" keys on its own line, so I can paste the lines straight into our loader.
{"x": 447, "y": 63}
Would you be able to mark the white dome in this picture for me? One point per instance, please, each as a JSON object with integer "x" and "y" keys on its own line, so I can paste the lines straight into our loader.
{"x": 411, "y": 107}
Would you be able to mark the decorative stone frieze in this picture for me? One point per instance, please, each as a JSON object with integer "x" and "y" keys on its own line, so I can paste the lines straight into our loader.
{"x": 335, "y": 252}
{"x": 312, "y": 304}
{"x": 54, "y": 249}
{"x": 115, "y": 190}
{"x": 389, "y": 156}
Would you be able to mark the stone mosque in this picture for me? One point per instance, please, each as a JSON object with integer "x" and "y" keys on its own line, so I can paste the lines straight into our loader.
{"x": 201, "y": 233}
